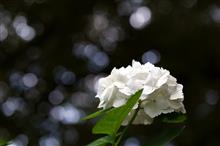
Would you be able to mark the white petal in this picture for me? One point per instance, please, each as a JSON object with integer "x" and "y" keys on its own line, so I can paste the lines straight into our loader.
{"x": 119, "y": 85}
{"x": 105, "y": 96}
{"x": 148, "y": 90}
{"x": 119, "y": 98}
{"x": 171, "y": 81}
{"x": 119, "y": 102}
{"x": 136, "y": 64}
{"x": 141, "y": 75}
{"x": 156, "y": 104}
{"x": 149, "y": 66}
{"x": 103, "y": 83}
{"x": 161, "y": 93}
{"x": 177, "y": 105}
{"x": 154, "y": 110}
{"x": 163, "y": 78}
{"x": 127, "y": 91}
{"x": 177, "y": 94}
{"x": 141, "y": 118}
{"x": 135, "y": 85}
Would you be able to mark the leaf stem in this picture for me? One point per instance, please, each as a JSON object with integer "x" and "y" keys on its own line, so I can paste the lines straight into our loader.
{"x": 126, "y": 128}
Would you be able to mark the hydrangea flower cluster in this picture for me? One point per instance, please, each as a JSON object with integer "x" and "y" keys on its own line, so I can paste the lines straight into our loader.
{"x": 161, "y": 92}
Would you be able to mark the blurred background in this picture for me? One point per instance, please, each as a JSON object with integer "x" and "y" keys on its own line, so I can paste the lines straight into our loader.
{"x": 53, "y": 52}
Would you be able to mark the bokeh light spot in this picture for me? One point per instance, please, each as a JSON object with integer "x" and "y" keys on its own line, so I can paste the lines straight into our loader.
{"x": 11, "y": 105}
{"x": 49, "y": 141}
{"x": 132, "y": 141}
{"x": 212, "y": 97}
{"x": 56, "y": 97}
{"x": 22, "y": 29}
{"x": 140, "y": 18}
{"x": 30, "y": 80}
{"x": 66, "y": 114}
{"x": 152, "y": 56}
{"x": 3, "y": 32}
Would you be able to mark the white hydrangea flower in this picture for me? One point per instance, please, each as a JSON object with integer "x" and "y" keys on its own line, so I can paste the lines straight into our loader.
{"x": 161, "y": 92}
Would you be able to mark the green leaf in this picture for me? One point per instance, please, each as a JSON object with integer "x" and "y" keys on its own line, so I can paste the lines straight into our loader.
{"x": 112, "y": 120}
{"x": 102, "y": 141}
{"x": 3, "y": 142}
{"x": 98, "y": 113}
{"x": 166, "y": 136}
{"x": 173, "y": 118}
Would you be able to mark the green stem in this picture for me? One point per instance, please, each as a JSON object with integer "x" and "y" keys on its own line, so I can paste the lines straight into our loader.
{"x": 126, "y": 128}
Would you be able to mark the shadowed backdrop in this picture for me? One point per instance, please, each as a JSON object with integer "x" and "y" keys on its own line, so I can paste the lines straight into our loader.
{"x": 53, "y": 52}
